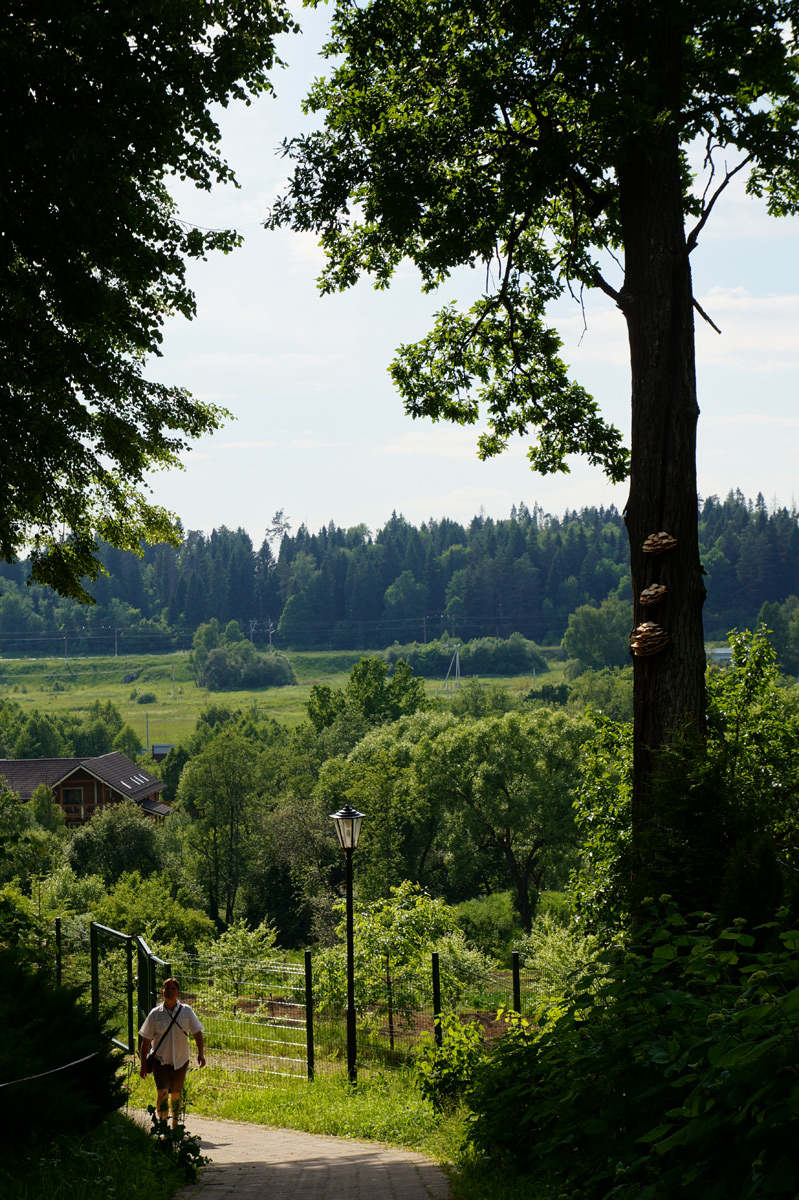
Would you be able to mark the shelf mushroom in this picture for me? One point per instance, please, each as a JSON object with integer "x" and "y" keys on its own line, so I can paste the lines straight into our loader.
{"x": 648, "y": 638}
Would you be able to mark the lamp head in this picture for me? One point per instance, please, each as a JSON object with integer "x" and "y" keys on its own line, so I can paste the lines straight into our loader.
{"x": 347, "y": 823}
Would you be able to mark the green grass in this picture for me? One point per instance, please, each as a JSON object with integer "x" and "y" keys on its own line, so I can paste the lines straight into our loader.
{"x": 118, "y": 1158}
{"x": 385, "y": 1106}
{"x": 53, "y": 685}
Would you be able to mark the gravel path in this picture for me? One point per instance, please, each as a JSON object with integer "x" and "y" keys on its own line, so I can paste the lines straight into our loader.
{"x": 282, "y": 1164}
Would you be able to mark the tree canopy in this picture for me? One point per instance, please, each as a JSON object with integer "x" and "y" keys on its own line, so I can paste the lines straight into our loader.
{"x": 551, "y": 145}
{"x": 101, "y": 103}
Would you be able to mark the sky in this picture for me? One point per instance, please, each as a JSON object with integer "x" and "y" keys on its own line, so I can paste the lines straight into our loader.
{"x": 320, "y": 432}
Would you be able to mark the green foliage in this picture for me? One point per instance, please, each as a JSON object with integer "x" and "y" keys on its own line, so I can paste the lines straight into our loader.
{"x": 159, "y": 908}
{"x": 227, "y": 662}
{"x": 399, "y": 839}
{"x": 131, "y": 1165}
{"x": 97, "y": 260}
{"x": 781, "y": 621}
{"x": 556, "y": 953}
{"x": 551, "y": 694}
{"x": 219, "y": 789}
{"x": 119, "y": 838}
{"x": 476, "y": 108}
{"x": 491, "y": 923}
{"x": 668, "y": 1072}
{"x": 25, "y": 929}
{"x": 46, "y": 1028}
{"x": 507, "y": 783}
{"x": 607, "y": 692}
{"x": 370, "y": 693}
{"x": 393, "y": 943}
{"x": 600, "y": 882}
{"x": 58, "y": 734}
{"x": 45, "y": 812}
{"x": 727, "y": 807}
{"x": 474, "y": 699}
{"x": 179, "y": 1146}
{"x": 128, "y": 742}
{"x": 480, "y": 656}
{"x": 600, "y": 637}
{"x": 531, "y": 567}
{"x": 444, "y": 1073}
{"x": 241, "y": 943}
{"x": 240, "y": 666}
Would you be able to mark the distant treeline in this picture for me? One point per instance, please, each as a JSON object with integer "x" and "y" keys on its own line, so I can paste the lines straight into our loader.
{"x": 349, "y": 588}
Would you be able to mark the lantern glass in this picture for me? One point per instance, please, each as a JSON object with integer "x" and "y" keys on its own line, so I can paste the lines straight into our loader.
{"x": 347, "y": 824}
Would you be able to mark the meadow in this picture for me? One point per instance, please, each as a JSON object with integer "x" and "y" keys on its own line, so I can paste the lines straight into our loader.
{"x": 74, "y": 684}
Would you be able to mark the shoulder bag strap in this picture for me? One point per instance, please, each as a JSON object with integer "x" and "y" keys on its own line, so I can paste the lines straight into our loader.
{"x": 169, "y": 1026}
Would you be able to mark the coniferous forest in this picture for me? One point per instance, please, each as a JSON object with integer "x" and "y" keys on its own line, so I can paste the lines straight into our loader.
{"x": 355, "y": 588}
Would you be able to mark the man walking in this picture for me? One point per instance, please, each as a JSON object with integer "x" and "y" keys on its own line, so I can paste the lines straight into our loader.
{"x": 166, "y": 1028}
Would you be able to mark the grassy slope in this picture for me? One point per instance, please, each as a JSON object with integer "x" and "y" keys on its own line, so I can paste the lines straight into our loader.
{"x": 53, "y": 685}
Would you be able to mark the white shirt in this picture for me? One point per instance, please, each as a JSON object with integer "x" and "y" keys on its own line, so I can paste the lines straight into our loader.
{"x": 174, "y": 1048}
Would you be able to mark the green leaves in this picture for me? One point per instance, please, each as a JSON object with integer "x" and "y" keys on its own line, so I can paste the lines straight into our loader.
{"x": 499, "y": 363}
{"x": 681, "y": 1057}
{"x": 100, "y": 104}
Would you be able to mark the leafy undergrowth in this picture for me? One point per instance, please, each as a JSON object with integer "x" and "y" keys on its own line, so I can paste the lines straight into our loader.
{"x": 117, "y": 1158}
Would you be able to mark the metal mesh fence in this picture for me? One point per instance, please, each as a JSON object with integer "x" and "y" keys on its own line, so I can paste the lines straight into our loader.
{"x": 253, "y": 1014}
{"x": 399, "y": 1011}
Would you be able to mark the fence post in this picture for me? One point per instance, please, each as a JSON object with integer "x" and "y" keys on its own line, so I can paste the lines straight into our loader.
{"x": 517, "y": 985}
{"x": 95, "y": 967}
{"x": 309, "y": 1014}
{"x": 58, "y": 951}
{"x": 437, "y": 1000}
{"x": 129, "y": 951}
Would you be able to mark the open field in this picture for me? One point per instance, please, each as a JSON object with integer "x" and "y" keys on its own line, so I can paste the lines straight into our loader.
{"x": 56, "y": 685}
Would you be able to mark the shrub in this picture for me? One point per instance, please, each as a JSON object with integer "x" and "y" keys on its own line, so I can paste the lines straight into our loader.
{"x": 229, "y": 668}
{"x": 146, "y": 698}
{"x": 481, "y": 656}
{"x": 444, "y": 1073}
{"x": 46, "y": 1028}
{"x": 555, "y": 953}
{"x": 491, "y": 923}
{"x": 670, "y": 1072}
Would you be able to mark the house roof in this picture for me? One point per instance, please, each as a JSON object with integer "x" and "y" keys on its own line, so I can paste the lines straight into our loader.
{"x": 123, "y": 775}
{"x": 24, "y": 775}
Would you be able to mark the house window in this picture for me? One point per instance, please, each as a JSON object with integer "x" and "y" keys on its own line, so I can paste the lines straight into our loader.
{"x": 72, "y": 799}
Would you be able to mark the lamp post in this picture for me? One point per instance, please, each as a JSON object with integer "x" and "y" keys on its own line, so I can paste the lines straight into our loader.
{"x": 347, "y": 824}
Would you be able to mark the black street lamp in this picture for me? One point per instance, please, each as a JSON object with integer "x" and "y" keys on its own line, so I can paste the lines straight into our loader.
{"x": 347, "y": 824}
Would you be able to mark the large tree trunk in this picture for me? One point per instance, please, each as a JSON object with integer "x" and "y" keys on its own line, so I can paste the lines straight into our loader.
{"x": 657, "y": 302}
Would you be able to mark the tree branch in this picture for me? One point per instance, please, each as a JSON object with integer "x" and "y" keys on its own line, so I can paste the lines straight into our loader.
{"x": 693, "y": 236}
{"x": 704, "y": 315}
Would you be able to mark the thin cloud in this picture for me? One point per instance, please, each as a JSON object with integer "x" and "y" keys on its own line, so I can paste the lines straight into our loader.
{"x": 435, "y": 443}
{"x": 295, "y": 443}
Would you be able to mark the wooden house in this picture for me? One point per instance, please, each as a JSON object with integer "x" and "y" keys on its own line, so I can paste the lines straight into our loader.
{"x": 82, "y": 786}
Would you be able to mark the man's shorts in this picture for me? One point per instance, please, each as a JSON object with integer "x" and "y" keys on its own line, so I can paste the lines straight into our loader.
{"x": 166, "y": 1077}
